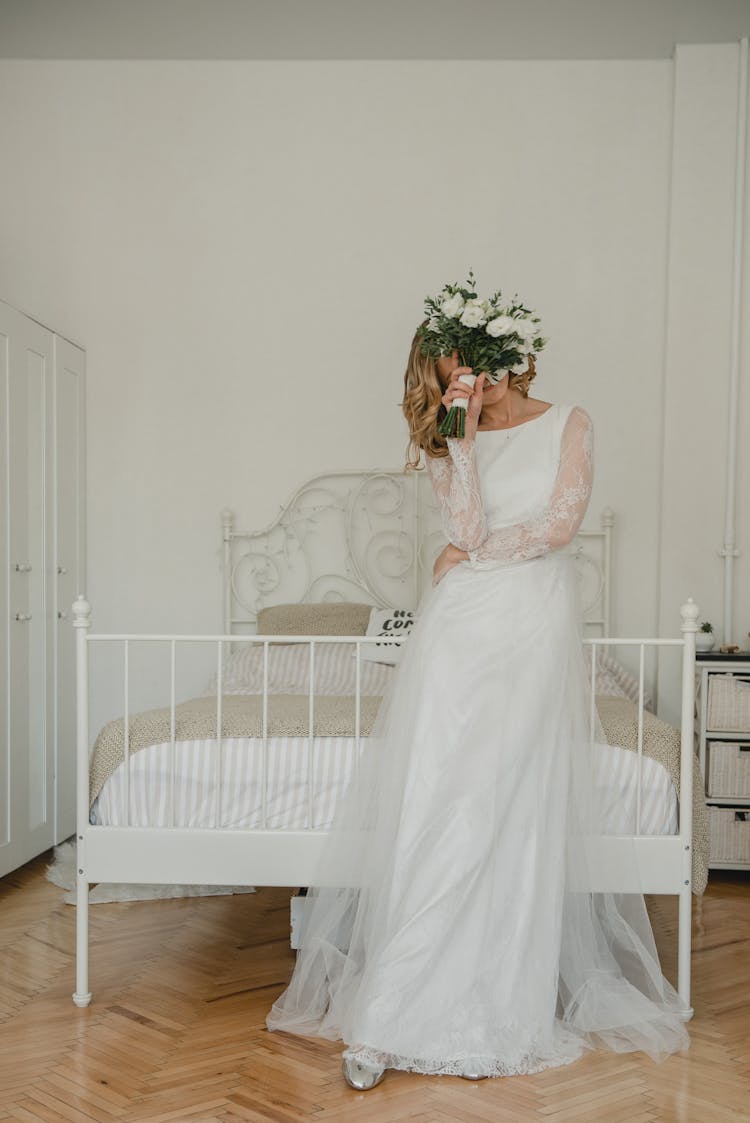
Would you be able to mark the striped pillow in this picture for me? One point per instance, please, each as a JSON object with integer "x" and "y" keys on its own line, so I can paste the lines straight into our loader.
{"x": 289, "y": 670}
{"x": 613, "y": 679}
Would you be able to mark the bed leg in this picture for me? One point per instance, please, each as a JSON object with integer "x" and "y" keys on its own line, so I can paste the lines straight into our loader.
{"x": 82, "y": 995}
{"x": 82, "y": 623}
{"x": 683, "y": 951}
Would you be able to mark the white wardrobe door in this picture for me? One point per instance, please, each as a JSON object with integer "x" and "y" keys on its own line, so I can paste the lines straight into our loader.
{"x": 68, "y": 566}
{"x": 31, "y": 764}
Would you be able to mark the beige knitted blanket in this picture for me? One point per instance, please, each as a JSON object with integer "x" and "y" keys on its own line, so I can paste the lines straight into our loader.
{"x": 288, "y": 714}
{"x": 241, "y": 716}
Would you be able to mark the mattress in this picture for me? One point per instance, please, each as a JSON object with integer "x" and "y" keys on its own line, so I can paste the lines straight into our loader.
{"x": 289, "y": 805}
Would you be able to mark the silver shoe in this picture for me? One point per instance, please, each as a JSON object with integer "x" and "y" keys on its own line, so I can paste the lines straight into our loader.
{"x": 474, "y": 1076}
{"x": 361, "y": 1074}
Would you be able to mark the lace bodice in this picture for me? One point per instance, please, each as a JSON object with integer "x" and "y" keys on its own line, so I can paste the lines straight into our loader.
{"x": 520, "y": 497}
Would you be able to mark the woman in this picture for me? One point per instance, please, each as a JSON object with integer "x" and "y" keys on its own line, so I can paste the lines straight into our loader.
{"x": 464, "y": 940}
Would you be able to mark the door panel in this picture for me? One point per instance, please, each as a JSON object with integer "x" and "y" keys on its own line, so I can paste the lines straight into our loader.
{"x": 68, "y": 567}
{"x": 31, "y": 780}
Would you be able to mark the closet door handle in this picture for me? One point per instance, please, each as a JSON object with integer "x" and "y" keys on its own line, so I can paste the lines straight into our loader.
{"x": 23, "y": 617}
{"x": 22, "y": 567}
{"x": 61, "y": 569}
{"x": 62, "y": 616}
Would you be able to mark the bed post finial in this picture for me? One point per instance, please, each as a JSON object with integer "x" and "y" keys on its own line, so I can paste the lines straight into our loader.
{"x": 608, "y": 517}
{"x": 227, "y": 522}
{"x": 689, "y": 613}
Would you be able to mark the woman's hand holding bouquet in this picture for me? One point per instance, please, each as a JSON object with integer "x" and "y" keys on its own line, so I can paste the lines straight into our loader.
{"x": 466, "y": 387}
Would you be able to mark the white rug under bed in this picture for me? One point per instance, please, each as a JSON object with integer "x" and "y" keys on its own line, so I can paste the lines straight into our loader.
{"x": 62, "y": 872}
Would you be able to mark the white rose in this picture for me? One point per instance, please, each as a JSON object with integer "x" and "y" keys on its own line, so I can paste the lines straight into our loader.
{"x": 520, "y": 368}
{"x": 452, "y": 305}
{"x": 473, "y": 314}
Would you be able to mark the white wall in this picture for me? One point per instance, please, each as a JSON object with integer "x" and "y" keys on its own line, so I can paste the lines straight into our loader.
{"x": 243, "y": 249}
{"x": 697, "y": 350}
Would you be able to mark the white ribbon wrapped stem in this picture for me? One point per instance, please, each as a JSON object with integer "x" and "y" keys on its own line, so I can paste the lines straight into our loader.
{"x": 468, "y": 380}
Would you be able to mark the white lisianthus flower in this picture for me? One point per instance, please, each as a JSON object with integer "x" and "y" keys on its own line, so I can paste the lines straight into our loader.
{"x": 501, "y": 325}
{"x": 496, "y": 327}
{"x": 473, "y": 315}
{"x": 520, "y": 368}
{"x": 527, "y": 329}
{"x": 452, "y": 305}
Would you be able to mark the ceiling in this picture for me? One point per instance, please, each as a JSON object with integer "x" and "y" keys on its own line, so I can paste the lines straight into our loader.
{"x": 364, "y": 29}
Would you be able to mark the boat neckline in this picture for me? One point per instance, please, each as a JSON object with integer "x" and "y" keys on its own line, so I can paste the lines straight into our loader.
{"x": 510, "y": 428}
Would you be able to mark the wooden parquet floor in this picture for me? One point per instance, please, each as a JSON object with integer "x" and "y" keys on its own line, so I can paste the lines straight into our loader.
{"x": 176, "y": 1028}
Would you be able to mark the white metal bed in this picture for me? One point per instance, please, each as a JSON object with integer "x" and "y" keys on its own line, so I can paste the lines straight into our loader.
{"x": 368, "y": 537}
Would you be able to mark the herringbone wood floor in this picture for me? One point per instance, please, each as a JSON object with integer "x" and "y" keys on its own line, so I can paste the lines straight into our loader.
{"x": 176, "y": 1028}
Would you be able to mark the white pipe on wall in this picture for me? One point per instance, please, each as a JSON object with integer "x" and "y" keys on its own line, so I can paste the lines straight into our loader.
{"x": 729, "y": 551}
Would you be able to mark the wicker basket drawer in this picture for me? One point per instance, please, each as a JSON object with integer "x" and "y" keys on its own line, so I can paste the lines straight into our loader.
{"x": 730, "y": 834}
{"x": 729, "y": 702}
{"x": 728, "y": 769}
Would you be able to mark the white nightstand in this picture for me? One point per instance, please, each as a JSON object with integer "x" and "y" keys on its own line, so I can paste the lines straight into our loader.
{"x": 722, "y": 723}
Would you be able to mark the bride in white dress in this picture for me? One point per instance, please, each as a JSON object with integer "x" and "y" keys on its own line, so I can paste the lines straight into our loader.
{"x": 461, "y": 938}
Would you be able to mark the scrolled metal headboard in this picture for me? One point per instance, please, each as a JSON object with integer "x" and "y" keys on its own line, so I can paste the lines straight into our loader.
{"x": 367, "y": 536}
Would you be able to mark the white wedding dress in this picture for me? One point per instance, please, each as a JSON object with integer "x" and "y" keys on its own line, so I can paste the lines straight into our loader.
{"x": 459, "y": 936}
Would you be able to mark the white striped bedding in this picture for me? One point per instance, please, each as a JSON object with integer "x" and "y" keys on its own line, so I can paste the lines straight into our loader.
{"x": 288, "y": 802}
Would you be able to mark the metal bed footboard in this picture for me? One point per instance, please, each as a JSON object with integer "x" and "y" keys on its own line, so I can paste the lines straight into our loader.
{"x": 263, "y": 856}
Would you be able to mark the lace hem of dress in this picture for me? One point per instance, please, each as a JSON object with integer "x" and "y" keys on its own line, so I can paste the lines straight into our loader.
{"x": 525, "y": 1064}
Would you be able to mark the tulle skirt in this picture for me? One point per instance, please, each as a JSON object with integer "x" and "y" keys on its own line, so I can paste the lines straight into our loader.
{"x": 458, "y": 935}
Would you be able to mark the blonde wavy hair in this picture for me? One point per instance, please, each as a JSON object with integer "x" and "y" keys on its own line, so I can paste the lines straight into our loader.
{"x": 423, "y": 408}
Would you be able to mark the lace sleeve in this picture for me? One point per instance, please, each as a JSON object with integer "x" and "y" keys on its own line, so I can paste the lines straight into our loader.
{"x": 455, "y": 482}
{"x": 558, "y": 523}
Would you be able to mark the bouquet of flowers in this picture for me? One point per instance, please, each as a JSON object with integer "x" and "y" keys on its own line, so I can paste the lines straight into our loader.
{"x": 489, "y": 335}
